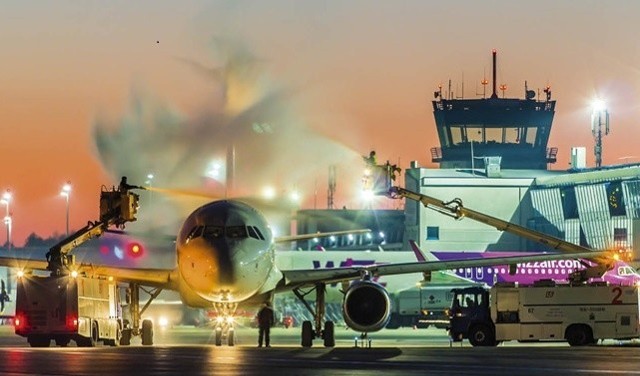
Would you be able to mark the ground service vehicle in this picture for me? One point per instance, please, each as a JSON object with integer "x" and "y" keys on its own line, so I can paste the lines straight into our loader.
{"x": 423, "y": 305}
{"x": 580, "y": 314}
{"x": 64, "y": 308}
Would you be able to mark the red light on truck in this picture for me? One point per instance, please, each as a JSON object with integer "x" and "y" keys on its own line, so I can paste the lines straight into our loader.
{"x": 19, "y": 322}
{"x": 72, "y": 323}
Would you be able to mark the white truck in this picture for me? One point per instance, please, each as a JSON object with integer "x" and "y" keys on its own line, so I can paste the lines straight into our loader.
{"x": 580, "y": 314}
{"x": 64, "y": 308}
{"x": 423, "y": 305}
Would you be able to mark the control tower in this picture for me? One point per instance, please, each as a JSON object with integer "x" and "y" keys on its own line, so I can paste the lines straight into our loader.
{"x": 471, "y": 131}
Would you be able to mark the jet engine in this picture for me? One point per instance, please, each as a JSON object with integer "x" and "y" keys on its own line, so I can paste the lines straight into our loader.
{"x": 366, "y": 306}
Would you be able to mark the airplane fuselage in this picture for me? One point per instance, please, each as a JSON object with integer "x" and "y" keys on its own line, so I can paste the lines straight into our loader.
{"x": 529, "y": 272}
{"x": 225, "y": 254}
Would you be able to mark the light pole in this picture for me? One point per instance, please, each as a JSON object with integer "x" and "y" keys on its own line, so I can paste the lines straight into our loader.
{"x": 6, "y": 199}
{"x": 66, "y": 191}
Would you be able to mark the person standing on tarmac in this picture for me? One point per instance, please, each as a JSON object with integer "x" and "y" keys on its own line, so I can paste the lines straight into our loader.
{"x": 265, "y": 322}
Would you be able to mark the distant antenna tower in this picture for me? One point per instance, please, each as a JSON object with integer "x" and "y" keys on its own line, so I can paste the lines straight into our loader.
{"x": 599, "y": 118}
{"x": 494, "y": 94}
{"x": 332, "y": 186}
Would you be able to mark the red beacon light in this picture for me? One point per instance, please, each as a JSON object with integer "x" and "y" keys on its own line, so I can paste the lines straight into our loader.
{"x": 135, "y": 249}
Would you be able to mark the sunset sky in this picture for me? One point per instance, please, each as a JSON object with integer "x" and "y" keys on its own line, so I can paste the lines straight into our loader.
{"x": 354, "y": 75}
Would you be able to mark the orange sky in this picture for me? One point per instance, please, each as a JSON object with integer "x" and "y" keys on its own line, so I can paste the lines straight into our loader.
{"x": 364, "y": 72}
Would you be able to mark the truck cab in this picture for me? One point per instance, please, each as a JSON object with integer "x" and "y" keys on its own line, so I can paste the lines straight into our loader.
{"x": 469, "y": 308}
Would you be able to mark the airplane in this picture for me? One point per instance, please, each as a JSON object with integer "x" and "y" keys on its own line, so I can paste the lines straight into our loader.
{"x": 525, "y": 272}
{"x": 225, "y": 253}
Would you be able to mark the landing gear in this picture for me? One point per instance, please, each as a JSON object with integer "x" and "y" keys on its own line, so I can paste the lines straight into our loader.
{"x": 231, "y": 337}
{"x": 224, "y": 326}
{"x": 328, "y": 334}
{"x": 145, "y": 331}
{"x": 308, "y": 333}
{"x": 218, "y": 339}
{"x": 220, "y": 335}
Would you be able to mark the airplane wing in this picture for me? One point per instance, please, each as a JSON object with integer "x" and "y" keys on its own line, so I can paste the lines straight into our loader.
{"x": 291, "y": 238}
{"x": 165, "y": 278}
{"x": 29, "y": 261}
{"x": 306, "y": 278}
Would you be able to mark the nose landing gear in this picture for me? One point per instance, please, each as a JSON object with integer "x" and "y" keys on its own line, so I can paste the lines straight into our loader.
{"x": 224, "y": 324}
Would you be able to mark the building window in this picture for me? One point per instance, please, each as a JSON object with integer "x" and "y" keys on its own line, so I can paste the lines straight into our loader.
{"x": 569, "y": 202}
{"x": 433, "y": 233}
{"x": 619, "y": 235}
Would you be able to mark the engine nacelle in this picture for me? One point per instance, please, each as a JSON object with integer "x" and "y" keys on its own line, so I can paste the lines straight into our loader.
{"x": 366, "y": 306}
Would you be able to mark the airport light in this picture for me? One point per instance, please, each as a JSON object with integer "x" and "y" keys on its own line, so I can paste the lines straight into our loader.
{"x": 6, "y": 199}
{"x": 149, "y": 180}
{"x": 269, "y": 193}
{"x": 66, "y": 191}
{"x": 295, "y": 197}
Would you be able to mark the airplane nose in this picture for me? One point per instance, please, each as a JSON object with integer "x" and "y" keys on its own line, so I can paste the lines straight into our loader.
{"x": 206, "y": 267}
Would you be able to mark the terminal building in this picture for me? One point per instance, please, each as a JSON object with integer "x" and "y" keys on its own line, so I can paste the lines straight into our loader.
{"x": 599, "y": 209}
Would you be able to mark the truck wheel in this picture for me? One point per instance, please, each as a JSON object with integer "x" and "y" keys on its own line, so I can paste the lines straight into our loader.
{"x": 307, "y": 334}
{"x": 147, "y": 332}
{"x": 93, "y": 341}
{"x": 126, "y": 337}
{"x": 38, "y": 342}
{"x": 328, "y": 334}
{"x": 482, "y": 335}
{"x": 455, "y": 337}
{"x": 62, "y": 342}
{"x": 579, "y": 335}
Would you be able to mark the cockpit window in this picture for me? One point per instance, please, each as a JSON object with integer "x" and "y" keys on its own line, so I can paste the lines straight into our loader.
{"x": 236, "y": 232}
{"x": 213, "y": 232}
{"x": 194, "y": 233}
{"x": 258, "y": 232}
{"x": 252, "y": 232}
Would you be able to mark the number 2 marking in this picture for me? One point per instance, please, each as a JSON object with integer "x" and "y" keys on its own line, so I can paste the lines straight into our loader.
{"x": 616, "y": 299}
